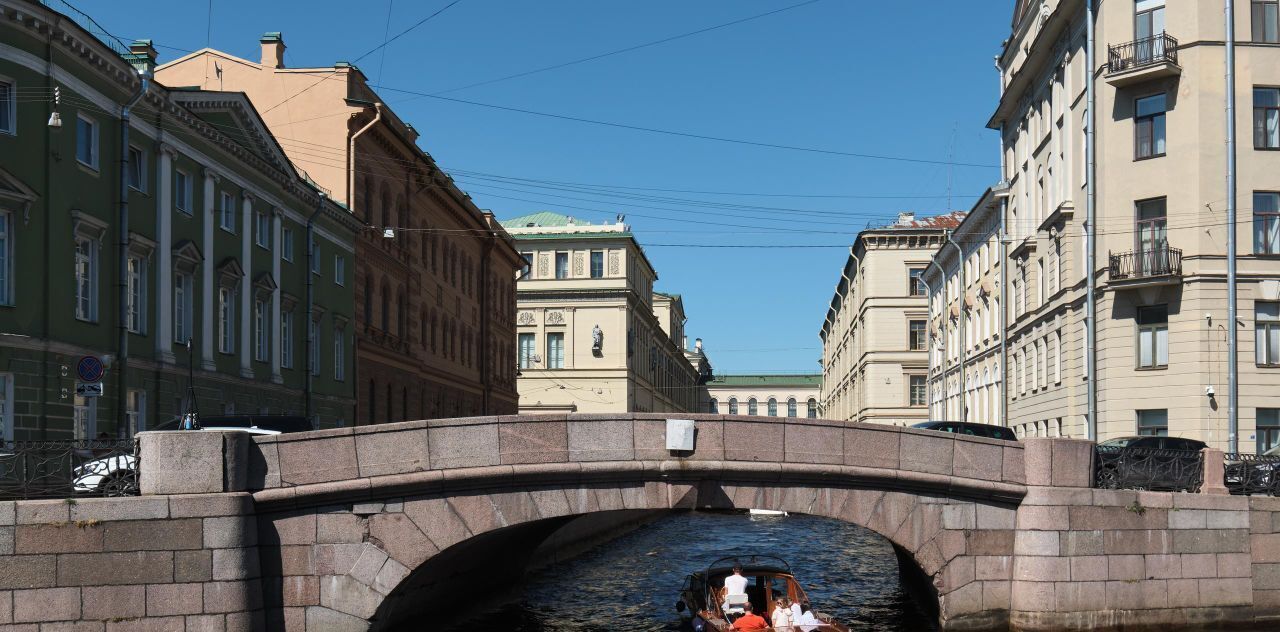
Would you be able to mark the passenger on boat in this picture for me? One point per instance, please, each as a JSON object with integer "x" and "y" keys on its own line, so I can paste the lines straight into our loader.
{"x": 749, "y": 620}
{"x": 803, "y": 619}
{"x": 782, "y": 615}
{"x": 734, "y": 584}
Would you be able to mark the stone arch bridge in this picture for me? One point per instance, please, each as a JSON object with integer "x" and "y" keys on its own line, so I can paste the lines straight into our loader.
{"x": 360, "y": 528}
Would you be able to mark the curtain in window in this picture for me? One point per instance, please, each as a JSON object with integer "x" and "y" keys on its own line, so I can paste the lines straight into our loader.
{"x": 1266, "y": 318}
{"x": 1266, "y": 223}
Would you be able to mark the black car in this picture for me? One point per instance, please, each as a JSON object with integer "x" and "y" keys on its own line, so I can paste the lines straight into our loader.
{"x": 1153, "y": 463}
{"x": 965, "y": 428}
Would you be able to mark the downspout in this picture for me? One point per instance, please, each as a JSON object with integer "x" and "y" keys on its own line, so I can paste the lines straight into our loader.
{"x": 351, "y": 159}
{"x": 311, "y": 327}
{"x": 48, "y": 381}
{"x": 485, "y": 388}
{"x": 1091, "y": 215}
{"x": 351, "y": 208}
{"x": 942, "y": 276}
{"x": 1233, "y": 367}
{"x": 1004, "y": 269}
{"x": 960, "y": 379}
{"x": 122, "y": 222}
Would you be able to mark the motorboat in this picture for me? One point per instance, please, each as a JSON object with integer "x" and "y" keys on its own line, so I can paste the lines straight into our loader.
{"x": 766, "y": 512}
{"x": 707, "y": 608}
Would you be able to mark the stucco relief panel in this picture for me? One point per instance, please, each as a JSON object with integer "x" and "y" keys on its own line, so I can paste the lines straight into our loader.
{"x": 525, "y": 318}
{"x": 544, "y": 265}
{"x": 613, "y": 264}
{"x": 555, "y": 318}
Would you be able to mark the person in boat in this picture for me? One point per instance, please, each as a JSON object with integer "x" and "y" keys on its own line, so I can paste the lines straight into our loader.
{"x": 749, "y": 620}
{"x": 734, "y": 584}
{"x": 802, "y": 617}
{"x": 782, "y": 615}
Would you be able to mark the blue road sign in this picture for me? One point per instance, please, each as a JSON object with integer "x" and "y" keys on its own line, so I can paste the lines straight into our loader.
{"x": 90, "y": 368}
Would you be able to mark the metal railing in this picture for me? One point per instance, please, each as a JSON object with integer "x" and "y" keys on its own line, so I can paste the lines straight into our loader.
{"x": 1251, "y": 475}
{"x": 1141, "y": 264}
{"x": 1148, "y": 469}
{"x": 1144, "y": 52}
{"x": 65, "y": 469}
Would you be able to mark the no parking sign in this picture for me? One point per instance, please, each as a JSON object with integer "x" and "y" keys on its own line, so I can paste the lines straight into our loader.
{"x": 90, "y": 368}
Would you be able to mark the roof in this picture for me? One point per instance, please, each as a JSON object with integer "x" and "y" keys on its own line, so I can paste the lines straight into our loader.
{"x": 806, "y": 379}
{"x": 543, "y": 219}
{"x": 908, "y": 221}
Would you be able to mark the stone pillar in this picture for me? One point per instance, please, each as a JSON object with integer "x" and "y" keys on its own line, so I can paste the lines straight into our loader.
{"x": 164, "y": 269}
{"x": 277, "y": 247}
{"x": 187, "y": 462}
{"x": 1058, "y": 462}
{"x": 246, "y": 285}
{"x": 211, "y": 179}
{"x": 1214, "y": 474}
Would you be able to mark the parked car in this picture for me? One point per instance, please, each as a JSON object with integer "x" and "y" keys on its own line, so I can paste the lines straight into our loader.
{"x": 117, "y": 475}
{"x": 1153, "y": 463}
{"x": 966, "y": 428}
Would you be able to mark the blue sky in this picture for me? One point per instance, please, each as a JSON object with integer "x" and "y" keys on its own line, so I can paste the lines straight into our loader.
{"x": 905, "y": 79}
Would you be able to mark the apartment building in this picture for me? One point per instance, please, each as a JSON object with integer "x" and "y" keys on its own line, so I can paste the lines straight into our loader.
{"x": 1161, "y": 199}
{"x": 434, "y": 274}
{"x": 874, "y": 350}
{"x": 772, "y": 395}
{"x": 592, "y": 335}
{"x": 195, "y": 256}
{"x": 965, "y": 286}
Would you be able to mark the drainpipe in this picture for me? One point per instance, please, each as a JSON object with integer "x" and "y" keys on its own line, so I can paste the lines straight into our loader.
{"x": 1004, "y": 272}
{"x": 122, "y": 223}
{"x": 960, "y": 338}
{"x": 942, "y": 277}
{"x": 1233, "y": 385}
{"x": 486, "y": 389}
{"x": 351, "y": 159}
{"x": 311, "y": 327}
{"x": 1091, "y": 213}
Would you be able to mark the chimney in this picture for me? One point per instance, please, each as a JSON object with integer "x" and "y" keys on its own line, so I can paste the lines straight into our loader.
{"x": 272, "y": 50}
{"x": 697, "y": 344}
{"x": 142, "y": 56}
{"x": 906, "y": 218}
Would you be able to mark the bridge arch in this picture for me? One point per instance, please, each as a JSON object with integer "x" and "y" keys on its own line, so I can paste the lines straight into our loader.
{"x": 356, "y": 538}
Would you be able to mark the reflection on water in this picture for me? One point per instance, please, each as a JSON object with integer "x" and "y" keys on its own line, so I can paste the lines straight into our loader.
{"x": 633, "y": 582}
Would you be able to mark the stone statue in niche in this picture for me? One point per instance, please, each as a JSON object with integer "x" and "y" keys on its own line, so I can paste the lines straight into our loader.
{"x": 597, "y": 341}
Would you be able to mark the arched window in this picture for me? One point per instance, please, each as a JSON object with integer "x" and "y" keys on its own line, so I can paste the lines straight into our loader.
{"x": 367, "y": 203}
{"x": 812, "y": 405}
{"x": 733, "y": 405}
{"x": 715, "y": 406}
{"x": 386, "y": 209}
{"x": 386, "y": 306}
{"x": 773, "y": 407}
{"x": 752, "y": 407}
{"x": 402, "y": 315}
{"x": 368, "y": 299}
{"x": 791, "y": 407}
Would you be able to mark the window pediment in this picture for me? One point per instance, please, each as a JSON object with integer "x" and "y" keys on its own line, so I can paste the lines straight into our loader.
{"x": 14, "y": 193}
{"x": 141, "y": 246}
{"x": 288, "y": 302}
{"x": 187, "y": 256}
{"x": 84, "y": 225}
{"x": 265, "y": 283}
{"x": 229, "y": 271}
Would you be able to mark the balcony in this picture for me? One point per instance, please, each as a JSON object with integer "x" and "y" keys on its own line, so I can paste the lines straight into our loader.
{"x": 1145, "y": 268}
{"x": 1142, "y": 60}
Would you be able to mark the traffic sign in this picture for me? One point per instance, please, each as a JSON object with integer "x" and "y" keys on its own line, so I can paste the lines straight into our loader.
{"x": 89, "y": 389}
{"x": 90, "y": 368}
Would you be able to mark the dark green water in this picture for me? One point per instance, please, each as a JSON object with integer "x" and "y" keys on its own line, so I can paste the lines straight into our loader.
{"x": 632, "y": 583}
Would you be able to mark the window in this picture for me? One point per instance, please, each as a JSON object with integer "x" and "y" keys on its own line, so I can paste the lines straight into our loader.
{"x": 792, "y": 410}
{"x": 1033, "y": 371}
{"x": 555, "y": 350}
{"x": 262, "y": 230}
{"x": 339, "y": 356}
{"x": 340, "y": 272}
{"x": 1153, "y": 423}
{"x": 1150, "y": 233}
{"x": 183, "y": 304}
{"x": 227, "y": 212}
{"x": 1268, "y": 429}
{"x": 733, "y": 405}
{"x": 713, "y": 406}
{"x": 526, "y": 264}
{"x": 86, "y": 279}
{"x": 8, "y": 108}
{"x": 136, "y": 410}
{"x": 315, "y": 257}
{"x": 1057, "y": 357}
{"x": 597, "y": 264}
{"x": 562, "y": 265}
{"x": 6, "y": 259}
{"x": 137, "y": 169}
{"x": 812, "y": 406}
{"x": 1148, "y": 23}
{"x": 1266, "y": 223}
{"x": 1266, "y": 21}
{"x": 1266, "y": 332}
{"x": 136, "y": 280}
{"x": 286, "y": 340}
{"x": 916, "y": 335}
{"x": 917, "y": 396}
{"x": 226, "y": 320}
{"x": 1153, "y": 336}
{"x": 752, "y": 407}
{"x": 260, "y": 312}
{"x": 915, "y": 283}
{"x": 772, "y": 407}
{"x": 1266, "y": 118}
{"x": 286, "y": 243}
{"x": 87, "y": 141}
{"x": 313, "y": 341}
{"x": 1149, "y": 127}
{"x": 182, "y": 191}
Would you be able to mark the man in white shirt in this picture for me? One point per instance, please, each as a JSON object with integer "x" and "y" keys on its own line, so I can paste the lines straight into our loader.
{"x": 734, "y": 584}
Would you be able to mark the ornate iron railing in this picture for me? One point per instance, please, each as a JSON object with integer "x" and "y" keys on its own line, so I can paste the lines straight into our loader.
{"x": 63, "y": 469}
{"x": 1144, "y": 52}
{"x": 1148, "y": 469}
{"x": 1251, "y": 475}
{"x": 1141, "y": 264}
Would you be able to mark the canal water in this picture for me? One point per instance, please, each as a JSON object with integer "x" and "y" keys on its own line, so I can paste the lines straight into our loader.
{"x": 632, "y": 583}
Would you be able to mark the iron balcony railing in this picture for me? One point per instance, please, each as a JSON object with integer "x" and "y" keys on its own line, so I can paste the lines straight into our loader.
{"x": 64, "y": 469}
{"x": 1144, "y": 52}
{"x": 1148, "y": 469}
{"x": 1141, "y": 264}
{"x": 1251, "y": 475}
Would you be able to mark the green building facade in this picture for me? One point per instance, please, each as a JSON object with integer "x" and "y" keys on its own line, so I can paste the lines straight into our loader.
{"x": 210, "y": 267}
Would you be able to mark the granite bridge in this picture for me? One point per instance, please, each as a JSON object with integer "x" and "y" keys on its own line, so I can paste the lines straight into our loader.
{"x": 362, "y": 528}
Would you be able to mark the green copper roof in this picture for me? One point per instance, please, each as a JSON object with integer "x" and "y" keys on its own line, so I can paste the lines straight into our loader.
{"x": 543, "y": 219}
{"x": 814, "y": 380}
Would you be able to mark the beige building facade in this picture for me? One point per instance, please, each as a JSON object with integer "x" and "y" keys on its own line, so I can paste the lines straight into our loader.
{"x": 772, "y": 395}
{"x": 591, "y": 334}
{"x": 1161, "y": 197}
{"x": 874, "y": 354}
